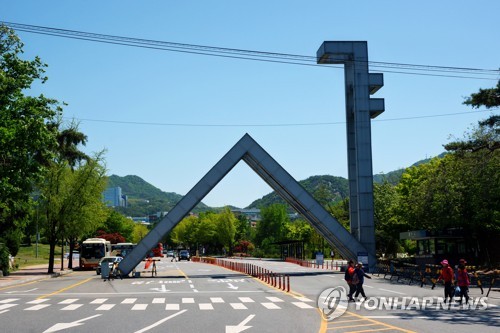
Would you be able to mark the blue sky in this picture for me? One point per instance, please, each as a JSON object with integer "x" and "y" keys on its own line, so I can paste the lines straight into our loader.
{"x": 128, "y": 99}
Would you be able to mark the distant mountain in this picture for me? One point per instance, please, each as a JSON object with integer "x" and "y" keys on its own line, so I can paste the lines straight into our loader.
{"x": 334, "y": 188}
{"x": 145, "y": 199}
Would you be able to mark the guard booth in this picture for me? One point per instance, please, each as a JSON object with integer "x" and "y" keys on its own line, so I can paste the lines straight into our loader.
{"x": 434, "y": 246}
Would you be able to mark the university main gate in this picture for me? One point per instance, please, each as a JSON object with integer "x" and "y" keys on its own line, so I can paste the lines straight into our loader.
{"x": 360, "y": 109}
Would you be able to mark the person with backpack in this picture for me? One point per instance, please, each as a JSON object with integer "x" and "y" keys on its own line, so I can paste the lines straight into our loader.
{"x": 447, "y": 276}
{"x": 463, "y": 281}
{"x": 349, "y": 272}
{"x": 358, "y": 279}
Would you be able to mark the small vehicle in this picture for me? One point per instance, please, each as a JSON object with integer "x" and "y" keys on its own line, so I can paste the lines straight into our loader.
{"x": 184, "y": 255}
{"x": 170, "y": 253}
{"x": 110, "y": 261}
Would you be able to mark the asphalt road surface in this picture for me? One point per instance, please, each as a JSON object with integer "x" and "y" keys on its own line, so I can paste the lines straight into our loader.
{"x": 197, "y": 297}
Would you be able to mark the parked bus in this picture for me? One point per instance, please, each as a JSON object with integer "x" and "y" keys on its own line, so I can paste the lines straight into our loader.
{"x": 92, "y": 250}
{"x": 121, "y": 249}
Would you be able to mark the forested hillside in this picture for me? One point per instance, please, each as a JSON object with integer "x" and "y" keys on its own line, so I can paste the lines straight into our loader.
{"x": 145, "y": 198}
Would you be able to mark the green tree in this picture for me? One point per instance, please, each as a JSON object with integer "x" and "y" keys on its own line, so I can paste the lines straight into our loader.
{"x": 140, "y": 231}
{"x": 272, "y": 227}
{"x": 27, "y": 137}
{"x": 66, "y": 196}
{"x": 226, "y": 228}
{"x": 117, "y": 223}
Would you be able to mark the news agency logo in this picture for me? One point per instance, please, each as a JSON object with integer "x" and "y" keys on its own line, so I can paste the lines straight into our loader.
{"x": 333, "y": 302}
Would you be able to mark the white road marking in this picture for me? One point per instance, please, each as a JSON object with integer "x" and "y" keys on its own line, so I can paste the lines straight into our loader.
{"x": 139, "y": 307}
{"x": 205, "y": 306}
{"x": 69, "y": 301}
{"x": 6, "y": 306}
{"x": 246, "y": 299}
{"x": 367, "y": 286}
{"x": 216, "y": 300}
{"x": 238, "y": 306}
{"x": 187, "y": 300}
{"x": 302, "y": 305}
{"x": 159, "y": 322}
{"x": 99, "y": 301}
{"x": 38, "y": 301}
{"x": 37, "y": 307}
{"x": 275, "y": 299}
{"x": 4, "y": 311}
{"x": 105, "y": 307}
{"x": 129, "y": 300}
{"x": 270, "y": 306}
{"x": 8, "y": 300}
{"x": 304, "y": 299}
{"x": 71, "y": 307}
{"x": 171, "y": 306}
{"x": 158, "y": 300}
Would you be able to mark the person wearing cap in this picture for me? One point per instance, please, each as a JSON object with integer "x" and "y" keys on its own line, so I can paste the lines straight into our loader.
{"x": 463, "y": 281}
{"x": 447, "y": 276}
{"x": 349, "y": 272}
{"x": 358, "y": 279}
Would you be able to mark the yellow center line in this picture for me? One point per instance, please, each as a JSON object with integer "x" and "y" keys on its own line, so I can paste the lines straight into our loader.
{"x": 64, "y": 289}
{"x": 21, "y": 285}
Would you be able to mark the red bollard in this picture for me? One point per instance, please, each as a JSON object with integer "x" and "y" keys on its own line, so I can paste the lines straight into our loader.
{"x": 279, "y": 282}
{"x": 288, "y": 284}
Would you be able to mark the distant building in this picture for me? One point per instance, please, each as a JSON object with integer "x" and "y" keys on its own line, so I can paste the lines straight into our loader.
{"x": 113, "y": 197}
{"x": 252, "y": 215}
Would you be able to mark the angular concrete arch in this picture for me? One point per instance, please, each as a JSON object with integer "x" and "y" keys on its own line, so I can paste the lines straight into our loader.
{"x": 248, "y": 150}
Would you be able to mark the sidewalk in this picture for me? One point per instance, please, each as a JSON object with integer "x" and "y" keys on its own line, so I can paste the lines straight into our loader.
{"x": 29, "y": 274}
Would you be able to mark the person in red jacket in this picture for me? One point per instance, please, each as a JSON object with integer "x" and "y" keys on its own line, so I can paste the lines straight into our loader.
{"x": 447, "y": 276}
{"x": 349, "y": 272}
{"x": 463, "y": 281}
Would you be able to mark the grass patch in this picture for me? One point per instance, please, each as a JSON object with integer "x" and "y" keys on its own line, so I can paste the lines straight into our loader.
{"x": 27, "y": 255}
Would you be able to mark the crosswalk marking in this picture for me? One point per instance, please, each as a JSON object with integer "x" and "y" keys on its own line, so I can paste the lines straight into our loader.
{"x": 271, "y": 306}
{"x": 204, "y": 303}
{"x": 139, "y": 307}
{"x": 216, "y": 299}
{"x": 105, "y": 307}
{"x": 238, "y": 306}
{"x": 69, "y": 301}
{"x": 206, "y": 306}
{"x": 38, "y": 301}
{"x": 246, "y": 299}
{"x": 8, "y": 300}
{"x": 37, "y": 307}
{"x": 129, "y": 300}
{"x": 158, "y": 300}
{"x": 6, "y": 306}
{"x": 174, "y": 307}
{"x": 99, "y": 301}
{"x": 304, "y": 299}
{"x": 71, "y": 307}
{"x": 275, "y": 299}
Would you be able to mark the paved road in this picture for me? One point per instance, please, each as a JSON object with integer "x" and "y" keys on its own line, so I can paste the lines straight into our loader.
{"x": 194, "y": 297}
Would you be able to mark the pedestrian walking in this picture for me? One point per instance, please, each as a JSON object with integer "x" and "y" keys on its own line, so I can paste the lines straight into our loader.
{"x": 447, "y": 276}
{"x": 358, "y": 279}
{"x": 349, "y": 272}
{"x": 463, "y": 281}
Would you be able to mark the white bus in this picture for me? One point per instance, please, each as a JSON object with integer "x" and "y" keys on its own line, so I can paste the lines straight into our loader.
{"x": 92, "y": 250}
{"x": 121, "y": 249}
